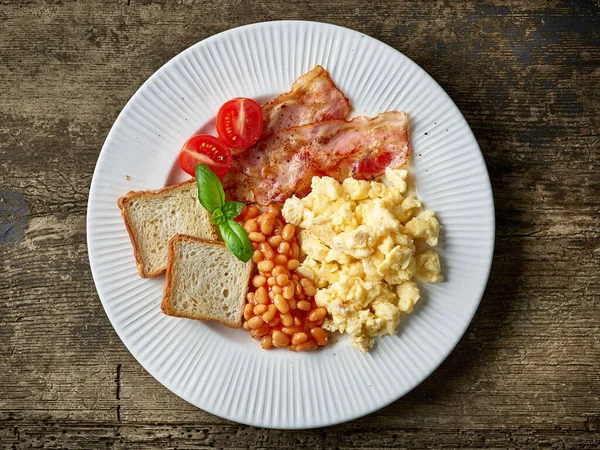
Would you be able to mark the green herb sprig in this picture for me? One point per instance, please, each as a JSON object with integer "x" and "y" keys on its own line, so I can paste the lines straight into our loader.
{"x": 212, "y": 197}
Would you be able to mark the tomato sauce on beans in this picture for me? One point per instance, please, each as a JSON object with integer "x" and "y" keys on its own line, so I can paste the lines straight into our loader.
{"x": 280, "y": 311}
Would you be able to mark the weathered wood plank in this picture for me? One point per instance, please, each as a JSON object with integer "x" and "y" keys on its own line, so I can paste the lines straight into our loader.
{"x": 526, "y": 77}
{"x": 226, "y": 436}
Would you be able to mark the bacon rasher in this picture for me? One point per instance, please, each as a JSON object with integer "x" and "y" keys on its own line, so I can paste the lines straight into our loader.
{"x": 313, "y": 98}
{"x": 284, "y": 163}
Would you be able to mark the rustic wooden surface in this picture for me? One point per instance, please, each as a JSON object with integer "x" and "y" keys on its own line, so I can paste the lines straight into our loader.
{"x": 526, "y": 75}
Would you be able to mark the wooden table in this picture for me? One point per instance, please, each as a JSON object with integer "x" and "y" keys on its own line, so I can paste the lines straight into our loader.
{"x": 526, "y": 75}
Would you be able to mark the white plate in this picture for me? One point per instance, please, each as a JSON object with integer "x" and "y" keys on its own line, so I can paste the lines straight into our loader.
{"x": 224, "y": 371}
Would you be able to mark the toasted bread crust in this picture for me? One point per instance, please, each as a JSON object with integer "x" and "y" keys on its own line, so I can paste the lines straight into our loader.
{"x": 123, "y": 204}
{"x": 168, "y": 291}
{"x": 136, "y": 249}
{"x": 134, "y": 194}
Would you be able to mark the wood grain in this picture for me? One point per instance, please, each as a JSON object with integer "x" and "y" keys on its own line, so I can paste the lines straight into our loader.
{"x": 526, "y": 75}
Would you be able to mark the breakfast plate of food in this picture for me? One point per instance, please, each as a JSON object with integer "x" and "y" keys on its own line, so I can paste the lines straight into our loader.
{"x": 290, "y": 225}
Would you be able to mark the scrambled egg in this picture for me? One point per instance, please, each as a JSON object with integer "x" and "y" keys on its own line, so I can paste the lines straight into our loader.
{"x": 358, "y": 239}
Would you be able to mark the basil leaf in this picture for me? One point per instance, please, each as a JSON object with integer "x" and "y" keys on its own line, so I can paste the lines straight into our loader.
{"x": 210, "y": 189}
{"x": 232, "y": 209}
{"x": 212, "y": 197}
{"x": 218, "y": 217}
{"x": 236, "y": 240}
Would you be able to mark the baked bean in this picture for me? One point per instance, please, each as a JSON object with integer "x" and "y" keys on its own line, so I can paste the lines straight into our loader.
{"x": 317, "y": 314}
{"x": 297, "y": 287}
{"x": 251, "y": 226}
{"x": 319, "y": 335}
{"x": 299, "y": 338}
{"x": 288, "y": 291}
{"x": 245, "y": 326}
{"x": 255, "y": 322}
{"x": 248, "y": 311}
{"x": 253, "y": 334}
{"x": 256, "y": 237}
{"x": 311, "y": 291}
{"x": 303, "y": 305}
{"x": 284, "y": 248}
{"x": 274, "y": 209}
{"x": 271, "y": 281}
{"x": 274, "y": 241}
{"x": 257, "y": 256}
{"x": 293, "y": 304}
{"x": 259, "y": 309}
{"x": 280, "y": 260}
{"x": 271, "y": 295}
{"x": 295, "y": 252}
{"x": 297, "y": 321}
{"x": 281, "y": 304}
{"x": 266, "y": 342}
{"x": 278, "y": 226}
{"x": 291, "y": 330}
{"x": 278, "y": 270}
{"x": 283, "y": 279}
{"x": 293, "y": 264}
{"x": 306, "y": 282}
{"x": 280, "y": 339}
{"x": 275, "y": 321}
{"x": 277, "y": 289}
{"x": 261, "y": 296}
{"x": 308, "y": 287}
{"x": 265, "y": 265}
{"x": 304, "y": 347}
{"x": 260, "y": 332}
{"x": 258, "y": 280}
{"x": 266, "y": 249}
{"x": 288, "y": 232}
{"x": 269, "y": 315}
{"x": 252, "y": 213}
{"x": 287, "y": 320}
{"x": 250, "y": 297}
{"x": 267, "y": 224}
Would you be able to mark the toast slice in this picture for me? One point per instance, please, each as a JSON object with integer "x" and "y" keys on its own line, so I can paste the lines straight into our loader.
{"x": 152, "y": 218}
{"x": 205, "y": 281}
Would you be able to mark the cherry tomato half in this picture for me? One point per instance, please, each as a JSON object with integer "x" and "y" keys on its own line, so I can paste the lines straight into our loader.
{"x": 240, "y": 122}
{"x": 205, "y": 149}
